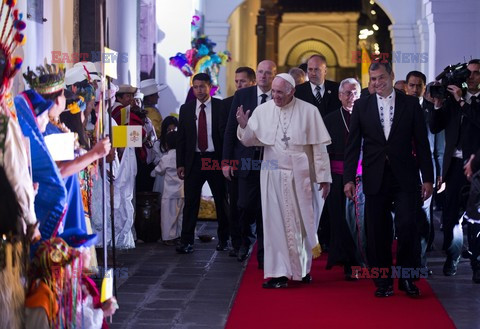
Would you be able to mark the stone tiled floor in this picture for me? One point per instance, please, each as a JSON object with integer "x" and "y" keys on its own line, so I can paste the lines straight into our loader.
{"x": 166, "y": 290}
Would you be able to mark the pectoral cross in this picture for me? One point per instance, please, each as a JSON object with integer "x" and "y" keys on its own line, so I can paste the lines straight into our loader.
{"x": 285, "y": 139}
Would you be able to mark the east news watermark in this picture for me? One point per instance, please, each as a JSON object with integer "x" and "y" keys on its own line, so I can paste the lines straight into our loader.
{"x": 98, "y": 272}
{"x": 59, "y": 57}
{"x": 243, "y": 164}
{"x": 397, "y": 272}
{"x": 394, "y": 57}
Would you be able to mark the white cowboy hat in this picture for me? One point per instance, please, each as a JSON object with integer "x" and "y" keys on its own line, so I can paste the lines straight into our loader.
{"x": 150, "y": 86}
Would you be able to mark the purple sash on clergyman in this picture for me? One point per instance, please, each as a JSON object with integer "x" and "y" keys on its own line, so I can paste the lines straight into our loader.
{"x": 337, "y": 167}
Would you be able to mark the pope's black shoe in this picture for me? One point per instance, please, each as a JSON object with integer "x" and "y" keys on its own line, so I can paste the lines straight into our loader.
{"x": 184, "y": 248}
{"x": 409, "y": 287}
{"x": 384, "y": 291}
{"x": 276, "y": 283}
{"x": 307, "y": 278}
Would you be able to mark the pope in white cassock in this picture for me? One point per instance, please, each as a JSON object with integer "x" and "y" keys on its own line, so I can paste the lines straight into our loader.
{"x": 295, "y": 156}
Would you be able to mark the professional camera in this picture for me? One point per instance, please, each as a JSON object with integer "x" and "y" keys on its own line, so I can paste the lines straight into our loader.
{"x": 452, "y": 75}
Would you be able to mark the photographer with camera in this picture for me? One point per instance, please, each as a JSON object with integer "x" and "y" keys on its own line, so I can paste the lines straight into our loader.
{"x": 457, "y": 113}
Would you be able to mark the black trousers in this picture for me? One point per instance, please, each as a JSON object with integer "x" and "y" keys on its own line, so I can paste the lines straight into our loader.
{"x": 234, "y": 221}
{"x": 193, "y": 190}
{"x": 455, "y": 181}
{"x": 250, "y": 211}
{"x": 379, "y": 227}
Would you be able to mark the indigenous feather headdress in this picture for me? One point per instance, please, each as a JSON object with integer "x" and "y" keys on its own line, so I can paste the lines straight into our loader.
{"x": 11, "y": 37}
{"x": 47, "y": 80}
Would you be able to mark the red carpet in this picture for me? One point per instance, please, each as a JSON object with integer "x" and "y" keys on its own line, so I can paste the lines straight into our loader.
{"x": 331, "y": 302}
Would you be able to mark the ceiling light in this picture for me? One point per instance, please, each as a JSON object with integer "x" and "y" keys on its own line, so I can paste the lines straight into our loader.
{"x": 375, "y": 27}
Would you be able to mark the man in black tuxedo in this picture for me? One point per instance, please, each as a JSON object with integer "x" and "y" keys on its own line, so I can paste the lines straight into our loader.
{"x": 393, "y": 129}
{"x": 324, "y": 95}
{"x": 201, "y": 127}
{"x": 318, "y": 91}
{"x": 459, "y": 116}
{"x": 249, "y": 202}
{"x": 244, "y": 77}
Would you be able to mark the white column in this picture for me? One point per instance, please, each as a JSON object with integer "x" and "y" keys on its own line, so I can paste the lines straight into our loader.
{"x": 453, "y": 32}
{"x": 424, "y": 42}
{"x": 122, "y": 22}
{"x": 405, "y": 50}
{"x": 218, "y": 33}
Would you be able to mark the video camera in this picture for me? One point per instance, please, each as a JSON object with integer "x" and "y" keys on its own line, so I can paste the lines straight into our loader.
{"x": 452, "y": 75}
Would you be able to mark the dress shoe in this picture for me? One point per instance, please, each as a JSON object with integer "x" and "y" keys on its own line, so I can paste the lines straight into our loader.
{"x": 409, "y": 287}
{"x": 352, "y": 277}
{"x": 349, "y": 275}
{"x": 307, "y": 278}
{"x": 450, "y": 266}
{"x": 184, "y": 248}
{"x": 476, "y": 276}
{"x": 233, "y": 252}
{"x": 276, "y": 283}
{"x": 222, "y": 246}
{"x": 243, "y": 253}
{"x": 384, "y": 291}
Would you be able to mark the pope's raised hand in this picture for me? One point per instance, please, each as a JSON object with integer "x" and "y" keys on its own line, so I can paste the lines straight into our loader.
{"x": 242, "y": 117}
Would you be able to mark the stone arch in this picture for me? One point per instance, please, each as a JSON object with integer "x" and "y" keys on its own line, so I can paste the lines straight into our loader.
{"x": 292, "y": 38}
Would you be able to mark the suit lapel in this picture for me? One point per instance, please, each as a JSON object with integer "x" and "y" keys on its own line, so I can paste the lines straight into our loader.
{"x": 327, "y": 94}
{"x": 214, "y": 117}
{"x": 373, "y": 106}
{"x": 398, "y": 111}
{"x": 193, "y": 118}
{"x": 254, "y": 99}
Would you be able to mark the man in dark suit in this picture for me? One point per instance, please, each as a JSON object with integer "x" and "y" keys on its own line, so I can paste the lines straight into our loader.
{"x": 324, "y": 95}
{"x": 393, "y": 129}
{"x": 249, "y": 202}
{"x": 201, "y": 127}
{"x": 318, "y": 91}
{"x": 244, "y": 77}
{"x": 459, "y": 115}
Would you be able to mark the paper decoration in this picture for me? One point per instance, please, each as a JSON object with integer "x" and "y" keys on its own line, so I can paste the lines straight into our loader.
{"x": 61, "y": 146}
{"x": 127, "y": 136}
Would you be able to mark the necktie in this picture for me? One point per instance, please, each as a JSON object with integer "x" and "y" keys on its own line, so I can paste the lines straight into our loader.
{"x": 202, "y": 129}
{"x": 473, "y": 100}
{"x": 318, "y": 95}
{"x": 264, "y": 98}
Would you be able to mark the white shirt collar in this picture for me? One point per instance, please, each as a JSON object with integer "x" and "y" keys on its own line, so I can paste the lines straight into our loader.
{"x": 388, "y": 98}
{"x": 313, "y": 86}
{"x": 209, "y": 100}
{"x": 260, "y": 92}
